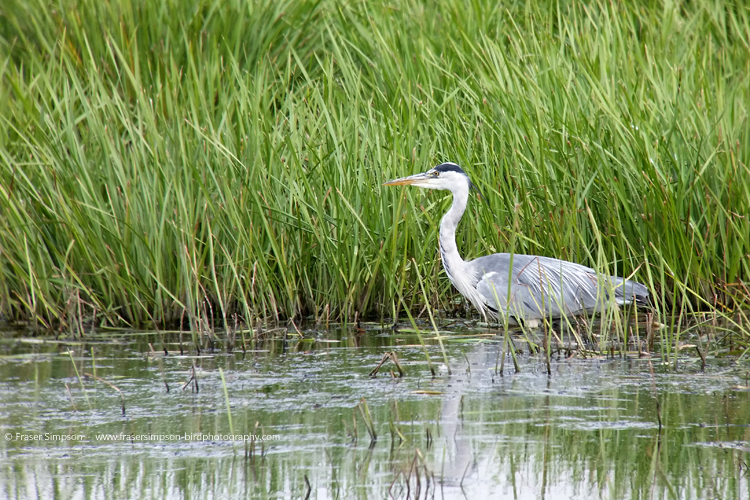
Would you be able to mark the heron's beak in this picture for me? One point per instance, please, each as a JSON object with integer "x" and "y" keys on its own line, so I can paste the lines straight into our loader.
{"x": 412, "y": 179}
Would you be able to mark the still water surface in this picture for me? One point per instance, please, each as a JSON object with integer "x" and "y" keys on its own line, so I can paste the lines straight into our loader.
{"x": 590, "y": 430}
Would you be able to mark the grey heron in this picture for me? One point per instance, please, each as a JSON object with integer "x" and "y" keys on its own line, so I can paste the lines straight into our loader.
{"x": 522, "y": 287}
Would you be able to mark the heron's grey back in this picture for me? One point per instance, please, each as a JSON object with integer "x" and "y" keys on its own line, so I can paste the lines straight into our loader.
{"x": 544, "y": 286}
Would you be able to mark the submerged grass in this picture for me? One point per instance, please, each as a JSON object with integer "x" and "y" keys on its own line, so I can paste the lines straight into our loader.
{"x": 192, "y": 160}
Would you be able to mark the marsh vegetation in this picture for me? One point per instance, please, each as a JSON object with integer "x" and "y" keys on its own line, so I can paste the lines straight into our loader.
{"x": 211, "y": 163}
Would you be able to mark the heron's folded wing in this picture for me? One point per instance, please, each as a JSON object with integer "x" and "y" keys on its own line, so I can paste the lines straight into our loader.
{"x": 540, "y": 284}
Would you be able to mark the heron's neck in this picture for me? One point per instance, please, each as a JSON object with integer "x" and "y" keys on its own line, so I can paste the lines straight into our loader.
{"x": 452, "y": 261}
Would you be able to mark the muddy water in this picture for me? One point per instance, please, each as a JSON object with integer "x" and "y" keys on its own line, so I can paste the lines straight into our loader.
{"x": 588, "y": 430}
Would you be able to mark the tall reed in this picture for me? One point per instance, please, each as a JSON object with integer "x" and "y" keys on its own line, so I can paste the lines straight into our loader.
{"x": 196, "y": 159}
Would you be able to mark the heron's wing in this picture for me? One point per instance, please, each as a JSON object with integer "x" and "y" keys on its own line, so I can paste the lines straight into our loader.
{"x": 539, "y": 286}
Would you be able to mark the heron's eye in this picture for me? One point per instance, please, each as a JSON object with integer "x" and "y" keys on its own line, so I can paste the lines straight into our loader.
{"x": 436, "y": 174}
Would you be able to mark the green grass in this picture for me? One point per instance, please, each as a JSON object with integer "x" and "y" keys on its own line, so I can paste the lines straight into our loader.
{"x": 202, "y": 159}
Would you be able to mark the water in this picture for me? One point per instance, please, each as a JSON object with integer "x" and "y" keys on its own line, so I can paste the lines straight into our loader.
{"x": 588, "y": 430}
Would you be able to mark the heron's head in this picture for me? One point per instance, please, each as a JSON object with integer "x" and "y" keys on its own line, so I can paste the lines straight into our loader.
{"x": 445, "y": 176}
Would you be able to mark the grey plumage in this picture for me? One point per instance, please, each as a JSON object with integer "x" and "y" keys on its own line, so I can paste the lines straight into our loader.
{"x": 539, "y": 286}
